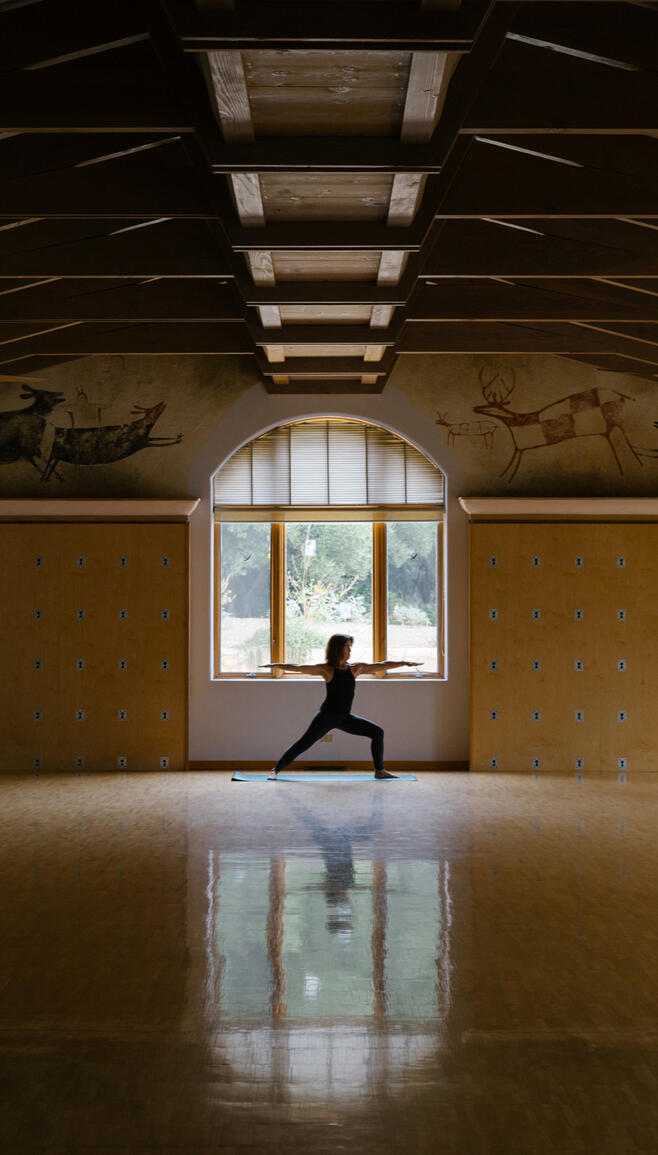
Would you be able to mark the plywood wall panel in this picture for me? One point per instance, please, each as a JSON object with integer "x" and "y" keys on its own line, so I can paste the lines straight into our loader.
{"x": 558, "y": 607}
{"x": 100, "y": 607}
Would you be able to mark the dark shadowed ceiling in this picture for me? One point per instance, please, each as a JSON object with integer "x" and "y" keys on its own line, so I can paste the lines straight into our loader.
{"x": 324, "y": 187}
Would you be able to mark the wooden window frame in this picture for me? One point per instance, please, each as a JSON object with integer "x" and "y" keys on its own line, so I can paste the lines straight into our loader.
{"x": 278, "y": 590}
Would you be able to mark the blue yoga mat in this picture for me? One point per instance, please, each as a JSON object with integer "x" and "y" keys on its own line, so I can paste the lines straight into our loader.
{"x": 318, "y": 776}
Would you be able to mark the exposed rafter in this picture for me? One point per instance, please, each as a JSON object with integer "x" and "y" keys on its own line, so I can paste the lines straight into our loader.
{"x": 326, "y": 187}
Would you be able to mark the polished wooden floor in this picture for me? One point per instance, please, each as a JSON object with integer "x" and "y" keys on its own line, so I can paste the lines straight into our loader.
{"x": 463, "y": 964}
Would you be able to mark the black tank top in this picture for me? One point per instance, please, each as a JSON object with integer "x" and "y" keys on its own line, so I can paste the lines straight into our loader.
{"x": 340, "y": 692}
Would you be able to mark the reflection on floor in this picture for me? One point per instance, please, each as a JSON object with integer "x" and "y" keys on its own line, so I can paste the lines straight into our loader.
{"x": 466, "y": 964}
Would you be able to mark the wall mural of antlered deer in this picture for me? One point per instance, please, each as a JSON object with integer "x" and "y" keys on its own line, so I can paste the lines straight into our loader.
{"x": 593, "y": 412}
{"x": 103, "y": 444}
{"x": 22, "y": 430}
{"x": 485, "y": 430}
{"x": 23, "y": 433}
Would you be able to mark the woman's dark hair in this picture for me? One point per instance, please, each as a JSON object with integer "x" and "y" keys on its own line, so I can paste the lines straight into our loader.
{"x": 335, "y": 648}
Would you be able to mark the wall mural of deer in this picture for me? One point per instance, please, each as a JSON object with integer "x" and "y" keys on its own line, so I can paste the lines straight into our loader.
{"x": 23, "y": 432}
{"x": 102, "y": 444}
{"x": 483, "y": 429}
{"x": 592, "y": 413}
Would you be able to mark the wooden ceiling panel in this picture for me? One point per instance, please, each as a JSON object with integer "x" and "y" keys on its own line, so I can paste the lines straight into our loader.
{"x": 293, "y": 351}
{"x": 326, "y": 196}
{"x": 326, "y": 93}
{"x": 474, "y": 178}
{"x": 326, "y": 266}
{"x": 326, "y": 314}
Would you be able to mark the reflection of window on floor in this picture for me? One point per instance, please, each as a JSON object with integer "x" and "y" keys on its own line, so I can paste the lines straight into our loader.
{"x": 328, "y": 527}
{"x": 300, "y": 940}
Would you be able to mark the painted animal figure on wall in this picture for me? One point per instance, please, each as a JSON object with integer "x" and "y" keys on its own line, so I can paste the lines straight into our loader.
{"x": 102, "y": 444}
{"x": 592, "y": 413}
{"x": 483, "y": 429}
{"x": 21, "y": 430}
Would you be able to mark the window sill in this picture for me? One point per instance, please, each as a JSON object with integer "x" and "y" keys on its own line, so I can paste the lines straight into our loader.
{"x": 290, "y": 679}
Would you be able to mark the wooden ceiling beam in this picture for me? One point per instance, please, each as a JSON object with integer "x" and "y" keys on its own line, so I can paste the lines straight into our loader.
{"x": 500, "y": 182}
{"x": 620, "y": 34}
{"x": 29, "y": 154}
{"x": 115, "y": 101}
{"x": 324, "y": 236}
{"x": 614, "y": 153}
{"x": 147, "y": 189}
{"x": 325, "y": 154}
{"x": 641, "y": 332}
{"x": 170, "y": 249}
{"x": 324, "y": 293}
{"x": 260, "y": 235}
{"x": 496, "y": 337}
{"x": 484, "y": 300}
{"x": 417, "y": 338}
{"x": 156, "y": 340}
{"x": 331, "y": 385}
{"x": 564, "y": 102}
{"x": 32, "y": 365}
{"x": 154, "y": 184}
{"x": 617, "y": 363}
{"x": 63, "y": 30}
{"x": 484, "y": 249}
{"x": 331, "y": 334}
{"x": 324, "y": 367}
{"x": 158, "y": 301}
{"x": 328, "y": 25}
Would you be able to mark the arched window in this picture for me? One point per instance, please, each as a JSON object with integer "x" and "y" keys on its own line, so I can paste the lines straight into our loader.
{"x": 325, "y": 526}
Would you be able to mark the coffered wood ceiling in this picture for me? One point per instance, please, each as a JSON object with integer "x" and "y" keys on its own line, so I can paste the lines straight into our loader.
{"x": 324, "y": 187}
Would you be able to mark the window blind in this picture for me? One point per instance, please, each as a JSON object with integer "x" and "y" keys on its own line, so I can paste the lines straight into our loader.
{"x": 328, "y": 463}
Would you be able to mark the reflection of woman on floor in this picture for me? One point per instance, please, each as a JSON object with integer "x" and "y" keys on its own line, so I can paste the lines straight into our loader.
{"x": 336, "y": 847}
{"x": 334, "y": 713}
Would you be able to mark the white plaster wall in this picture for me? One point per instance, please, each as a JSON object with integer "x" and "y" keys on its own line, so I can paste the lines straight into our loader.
{"x": 258, "y": 718}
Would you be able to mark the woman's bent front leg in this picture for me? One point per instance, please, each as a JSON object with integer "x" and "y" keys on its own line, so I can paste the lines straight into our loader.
{"x": 353, "y": 724}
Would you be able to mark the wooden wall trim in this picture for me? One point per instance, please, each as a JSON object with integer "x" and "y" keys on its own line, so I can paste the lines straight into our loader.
{"x": 561, "y": 508}
{"x": 310, "y": 764}
{"x": 92, "y": 509}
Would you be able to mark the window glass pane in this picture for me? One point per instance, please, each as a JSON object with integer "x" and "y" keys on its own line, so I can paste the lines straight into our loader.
{"x": 411, "y": 552}
{"x": 245, "y": 596}
{"x": 328, "y": 588}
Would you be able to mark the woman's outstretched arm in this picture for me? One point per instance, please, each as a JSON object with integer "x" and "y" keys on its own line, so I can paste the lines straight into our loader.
{"x": 377, "y": 667}
{"x": 319, "y": 671}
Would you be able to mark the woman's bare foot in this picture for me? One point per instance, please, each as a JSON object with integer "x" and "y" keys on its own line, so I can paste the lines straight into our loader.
{"x": 385, "y": 774}
{"x": 272, "y": 776}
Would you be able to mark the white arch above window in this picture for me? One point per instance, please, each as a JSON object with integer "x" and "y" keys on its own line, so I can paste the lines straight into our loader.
{"x": 328, "y": 464}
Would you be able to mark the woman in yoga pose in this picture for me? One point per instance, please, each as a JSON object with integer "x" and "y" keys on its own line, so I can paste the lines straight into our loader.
{"x": 334, "y": 713}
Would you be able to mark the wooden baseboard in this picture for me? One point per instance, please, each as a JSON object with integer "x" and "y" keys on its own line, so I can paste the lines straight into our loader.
{"x": 255, "y": 764}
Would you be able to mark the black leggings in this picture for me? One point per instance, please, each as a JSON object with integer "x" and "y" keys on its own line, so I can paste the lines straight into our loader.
{"x": 323, "y": 722}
